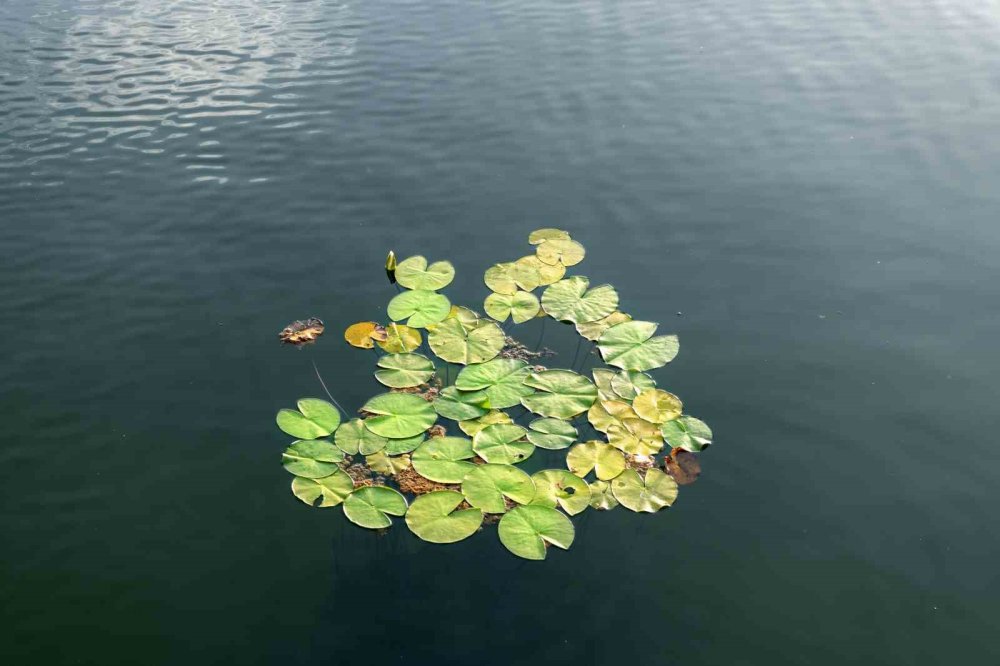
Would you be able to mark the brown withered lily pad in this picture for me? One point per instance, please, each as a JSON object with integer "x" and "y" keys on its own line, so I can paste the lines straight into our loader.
{"x": 302, "y": 332}
{"x": 683, "y": 466}
{"x": 409, "y": 481}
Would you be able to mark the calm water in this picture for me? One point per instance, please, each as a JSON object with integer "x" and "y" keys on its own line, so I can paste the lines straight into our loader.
{"x": 813, "y": 184}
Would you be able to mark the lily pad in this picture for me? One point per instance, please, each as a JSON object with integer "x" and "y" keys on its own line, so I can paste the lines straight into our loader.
{"x": 632, "y": 346}
{"x": 558, "y": 487}
{"x": 573, "y": 300}
{"x": 602, "y": 419}
{"x": 500, "y": 278}
{"x": 459, "y": 405}
{"x": 567, "y": 252}
{"x": 539, "y": 236}
{"x": 648, "y": 495}
{"x": 312, "y": 458}
{"x": 627, "y": 384}
{"x": 434, "y": 517}
{"x": 399, "y": 415}
{"x": 365, "y": 334}
{"x": 560, "y": 394}
{"x": 472, "y": 426}
{"x": 521, "y": 306}
{"x": 414, "y": 273}
{"x": 330, "y": 490}
{"x": 395, "y": 447}
{"x": 371, "y": 506}
{"x": 602, "y": 380}
{"x": 443, "y": 459}
{"x": 451, "y": 341}
{"x": 404, "y": 370}
{"x": 606, "y": 461}
{"x": 527, "y": 531}
{"x": 529, "y": 272}
{"x": 657, "y": 406}
{"x": 486, "y": 486}
{"x": 687, "y": 433}
{"x": 634, "y": 441}
{"x": 683, "y": 466}
{"x": 315, "y": 418}
{"x": 554, "y": 434}
{"x": 419, "y": 307}
{"x": 469, "y": 319}
{"x": 592, "y": 330}
{"x": 389, "y": 465}
{"x": 503, "y": 444}
{"x": 400, "y": 338}
{"x": 601, "y": 497}
{"x": 354, "y": 437}
{"x": 501, "y": 379}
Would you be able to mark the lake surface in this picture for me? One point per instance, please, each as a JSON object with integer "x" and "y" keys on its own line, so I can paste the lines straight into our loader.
{"x": 812, "y": 184}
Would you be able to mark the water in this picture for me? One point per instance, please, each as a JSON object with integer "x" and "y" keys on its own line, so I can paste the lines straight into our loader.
{"x": 812, "y": 184}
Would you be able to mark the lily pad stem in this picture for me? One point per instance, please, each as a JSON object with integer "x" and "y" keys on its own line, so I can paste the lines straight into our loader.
{"x": 329, "y": 395}
{"x": 541, "y": 335}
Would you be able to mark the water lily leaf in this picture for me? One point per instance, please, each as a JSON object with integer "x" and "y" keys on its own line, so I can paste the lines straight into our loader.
{"x": 486, "y": 486}
{"x": 452, "y": 342}
{"x": 539, "y": 236}
{"x": 365, "y": 334}
{"x": 521, "y": 306}
{"x": 502, "y": 379}
{"x": 500, "y": 278}
{"x": 330, "y": 490}
{"x": 559, "y": 487}
{"x": 472, "y": 426}
{"x": 371, "y": 506}
{"x": 606, "y": 461}
{"x": 433, "y": 517}
{"x": 687, "y": 433}
{"x": 683, "y": 466}
{"x": 552, "y": 434}
{"x": 389, "y": 465}
{"x": 421, "y": 306}
{"x": 561, "y": 394}
{"x": 627, "y": 384}
{"x": 529, "y": 272}
{"x": 503, "y": 444}
{"x": 395, "y": 447}
{"x": 601, "y": 497}
{"x": 526, "y": 531}
{"x": 404, "y": 370}
{"x": 302, "y": 332}
{"x": 354, "y": 437}
{"x": 469, "y": 319}
{"x": 631, "y": 346}
{"x": 632, "y": 442}
{"x": 399, "y": 415}
{"x": 443, "y": 459}
{"x": 602, "y": 419}
{"x": 649, "y": 495}
{"x": 657, "y": 406}
{"x": 414, "y": 273}
{"x": 602, "y": 380}
{"x": 592, "y": 330}
{"x": 315, "y": 418}
{"x": 572, "y": 300}
{"x": 458, "y": 405}
{"x": 567, "y": 252}
{"x": 400, "y": 338}
{"x": 312, "y": 458}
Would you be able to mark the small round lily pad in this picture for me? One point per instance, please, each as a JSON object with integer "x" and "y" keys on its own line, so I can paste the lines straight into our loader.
{"x": 631, "y": 345}
{"x": 648, "y": 495}
{"x": 453, "y": 403}
{"x": 526, "y": 531}
{"x": 563, "y": 251}
{"x": 558, "y": 487}
{"x": 371, "y": 506}
{"x": 529, "y": 273}
{"x": 365, "y": 334}
{"x": 354, "y": 437}
{"x": 627, "y": 384}
{"x": 315, "y": 418}
{"x": 601, "y": 497}
{"x": 312, "y": 458}
{"x": 443, "y": 459}
{"x": 560, "y": 394}
{"x": 414, "y": 273}
{"x": 501, "y": 379}
{"x": 573, "y": 300}
{"x": 548, "y": 433}
{"x": 400, "y": 338}
{"x": 399, "y": 415}
{"x": 486, "y": 486}
{"x": 330, "y": 490}
{"x": 503, "y": 444}
{"x": 404, "y": 370}
{"x": 472, "y": 426}
{"x": 657, "y": 406}
{"x": 419, "y": 307}
{"x": 382, "y": 463}
{"x": 395, "y": 447}
{"x": 687, "y": 433}
{"x": 592, "y": 330}
{"x": 500, "y": 278}
{"x": 539, "y": 236}
{"x": 606, "y": 461}
{"x": 521, "y": 306}
{"x": 455, "y": 343}
{"x": 434, "y": 517}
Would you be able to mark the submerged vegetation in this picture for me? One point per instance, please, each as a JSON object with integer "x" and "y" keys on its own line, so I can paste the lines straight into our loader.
{"x": 442, "y": 447}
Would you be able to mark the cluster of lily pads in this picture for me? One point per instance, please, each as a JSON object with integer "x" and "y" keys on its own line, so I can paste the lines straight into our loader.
{"x": 399, "y": 459}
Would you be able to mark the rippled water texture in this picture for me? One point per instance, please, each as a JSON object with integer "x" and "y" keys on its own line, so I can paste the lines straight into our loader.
{"x": 813, "y": 185}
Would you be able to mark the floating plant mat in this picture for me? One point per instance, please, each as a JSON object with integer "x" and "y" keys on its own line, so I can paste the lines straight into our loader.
{"x": 462, "y": 406}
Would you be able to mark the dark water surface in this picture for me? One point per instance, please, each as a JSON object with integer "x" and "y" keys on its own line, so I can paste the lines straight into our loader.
{"x": 813, "y": 184}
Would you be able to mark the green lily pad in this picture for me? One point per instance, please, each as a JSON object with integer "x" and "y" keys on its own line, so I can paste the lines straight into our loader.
{"x": 330, "y": 490}
{"x": 500, "y": 278}
{"x": 443, "y": 459}
{"x": 553, "y": 434}
{"x": 469, "y": 319}
{"x": 502, "y": 444}
{"x": 419, "y": 307}
{"x": 606, "y": 461}
{"x": 565, "y": 251}
{"x": 560, "y": 394}
{"x": 315, "y": 418}
{"x": 539, "y": 236}
{"x": 502, "y": 379}
{"x": 558, "y": 487}
{"x": 404, "y": 370}
{"x": 633, "y": 437}
{"x": 371, "y": 506}
{"x": 573, "y": 300}
{"x": 526, "y": 531}
{"x": 592, "y": 330}
{"x": 472, "y": 426}
{"x": 451, "y": 341}
{"x": 399, "y": 415}
{"x": 602, "y": 380}
{"x": 453, "y": 403}
{"x": 400, "y": 338}
{"x": 433, "y": 517}
{"x": 601, "y": 497}
{"x": 632, "y": 346}
{"x": 521, "y": 306}
{"x": 312, "y": 458}
{"x": 486, "y": 486}
{"x": 657, "y": 406}
{"x": 530, "y": 273}
{"x": 354, "y": 437}
{"x": 627, "y": 384}
{"x": 687, "y": 433}
{"x": 414, "y": 273}
{"x": 385, "y": 464}
{"x": 648, "y": 495}
{"x": 395, "y": 447}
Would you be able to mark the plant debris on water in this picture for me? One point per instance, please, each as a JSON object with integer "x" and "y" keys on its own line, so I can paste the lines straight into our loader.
{"x": 599, "y": 429}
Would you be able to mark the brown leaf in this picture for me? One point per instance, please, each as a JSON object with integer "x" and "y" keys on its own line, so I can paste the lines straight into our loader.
{"x": 365, "y": 334}
{"x": 301, "y": 332}
{"x": 683, "y": 466}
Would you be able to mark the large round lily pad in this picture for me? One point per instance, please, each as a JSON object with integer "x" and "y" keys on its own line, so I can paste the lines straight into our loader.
{"x": 400, "y": 338}
{"x": 414, "y": 273}
{"x": 687, "y": 433}
{"x": 567, "y": 252}
{"x": 453, "y": 403}
{"x": 502, "y": 379}
{"x": 443, "y": 459}
{"x": 404, "y": 370}
{"x": 330, "y": 490}
{"x": 503, "y": 444}
{"x": 434, "y": 517}
{"x": 657, "y": 406}
{"x": 527, "y": 531}
{"x": 354, "y": 437}
{"x": 399, "y": 415}
{"x": 453, "y": 342}
{"x": 521, "y": 306}
{"x": 632, "y": 346}
{"x": 606, "y": 461}
{"x": 312, "y": 458}
{"x": 573, "y": 300}
{"x": 559, "y": 487}
{"x": 419, "y": 307}
{"x": 547, "y": 433}
{"x": 486, "y": 486}
{"x": 371, "y": 506}
{"x": 649, "y": 495}
{"x": 314, "y": 419}
{"x": 560, "y": 394}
